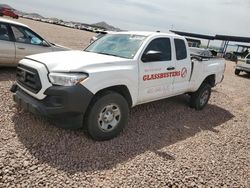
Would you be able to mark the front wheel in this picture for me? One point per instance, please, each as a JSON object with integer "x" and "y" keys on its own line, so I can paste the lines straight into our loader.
{"x": 237, "y": 72}
{"x": 200, "y": 98}
{"x": 107, "y": 116}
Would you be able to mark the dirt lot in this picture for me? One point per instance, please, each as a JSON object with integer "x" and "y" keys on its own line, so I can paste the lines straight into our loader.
{"x": 72, "y": 38}
{"x": 166, "y": 144}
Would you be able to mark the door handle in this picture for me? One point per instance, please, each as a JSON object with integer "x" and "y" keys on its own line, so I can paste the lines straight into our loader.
{"x": 171, "y": 68}
{"x": 21, "y": 48}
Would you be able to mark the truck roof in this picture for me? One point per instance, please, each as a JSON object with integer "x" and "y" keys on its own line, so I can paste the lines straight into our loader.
{"x": 148, "y": 33}
{"x": 12, "y": 22}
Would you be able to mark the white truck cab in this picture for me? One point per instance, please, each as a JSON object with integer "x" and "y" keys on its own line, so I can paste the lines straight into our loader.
{"x": 98, "y": 85}
{"x": 243, "y": 65}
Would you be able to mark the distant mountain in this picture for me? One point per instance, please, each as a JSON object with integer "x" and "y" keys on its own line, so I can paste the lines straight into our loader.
{"x": 106, "y": 26}
{"x": 36, "y": 15}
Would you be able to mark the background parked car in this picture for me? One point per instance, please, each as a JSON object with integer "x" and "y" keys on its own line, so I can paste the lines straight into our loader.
{"x": 8, "y": 12}
{"x": 233, "y": 56}
{"x": 18, "y": 40}
{"x": 243, "y": 65}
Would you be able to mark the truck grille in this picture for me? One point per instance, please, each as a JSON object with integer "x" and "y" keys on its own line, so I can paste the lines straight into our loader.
{"x": 28, "y": 78}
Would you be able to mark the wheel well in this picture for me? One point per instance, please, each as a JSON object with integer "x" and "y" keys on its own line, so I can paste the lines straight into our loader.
{"x": 210, "y": 80}
{"x": 121, "y": 89}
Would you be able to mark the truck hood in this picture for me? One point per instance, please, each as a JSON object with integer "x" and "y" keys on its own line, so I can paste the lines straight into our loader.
{"x": 74, "y": 61}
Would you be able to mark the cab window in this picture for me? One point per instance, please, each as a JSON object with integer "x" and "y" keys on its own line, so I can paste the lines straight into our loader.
{"x": 162, "y": 45}
{"x": 181, "y": 49}
{"x": 24, "y": 35}
{"x": 4, "y": 33}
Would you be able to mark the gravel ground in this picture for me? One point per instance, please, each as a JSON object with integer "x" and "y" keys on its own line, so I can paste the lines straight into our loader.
{"x": 166, "y": 144}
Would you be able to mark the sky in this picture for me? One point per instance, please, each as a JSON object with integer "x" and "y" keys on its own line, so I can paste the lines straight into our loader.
{"x": 230, "y": 17}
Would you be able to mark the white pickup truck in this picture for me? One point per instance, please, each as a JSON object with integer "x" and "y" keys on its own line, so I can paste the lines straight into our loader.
{"x": 97, "y": 86}
{"x": 243, "y": 65}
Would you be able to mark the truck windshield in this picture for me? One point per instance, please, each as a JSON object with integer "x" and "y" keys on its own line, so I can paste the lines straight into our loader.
{"x": 120, "y": 45}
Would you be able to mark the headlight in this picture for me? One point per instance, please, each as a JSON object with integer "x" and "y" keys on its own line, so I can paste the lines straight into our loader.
{"x": 67, "y": 79}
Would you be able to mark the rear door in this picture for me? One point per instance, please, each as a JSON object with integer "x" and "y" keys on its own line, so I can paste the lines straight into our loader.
{"x": 183, "y": 65}
{"x": 7, "y": 46}
{"x": 27, "y": 42}
{"x": 156, "y": 77}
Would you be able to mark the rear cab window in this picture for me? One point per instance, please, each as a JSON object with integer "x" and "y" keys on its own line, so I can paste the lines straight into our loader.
{"x": 181, "y": 49}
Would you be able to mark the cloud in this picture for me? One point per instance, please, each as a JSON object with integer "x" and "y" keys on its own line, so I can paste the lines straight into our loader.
{"x": 235, "y": 2}
{"x": 140, "y": 4}
{"x": 200, "y": 16}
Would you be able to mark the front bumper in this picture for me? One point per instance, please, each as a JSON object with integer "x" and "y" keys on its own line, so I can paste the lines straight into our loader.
{"x": 243, "y": 68}
{"x": 60, "y": 102}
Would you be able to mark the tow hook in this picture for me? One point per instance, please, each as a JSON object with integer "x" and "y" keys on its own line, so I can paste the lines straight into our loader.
{"x": 13, "y": 88}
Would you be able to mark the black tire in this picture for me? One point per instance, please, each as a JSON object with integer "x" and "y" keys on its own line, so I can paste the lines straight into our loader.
{"x": 99, "y": 105}
{"x": 200, "y": 98}
{"x": 237, "y": 72}
{"x": 228, "y": 56}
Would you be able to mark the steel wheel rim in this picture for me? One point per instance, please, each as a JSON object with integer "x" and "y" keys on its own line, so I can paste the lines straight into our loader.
{"x": 204, "y": 98}
{"x": 109, "y": 117}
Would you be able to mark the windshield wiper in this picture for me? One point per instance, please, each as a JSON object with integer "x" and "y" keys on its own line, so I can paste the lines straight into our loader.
{"x": 107, "y": 54}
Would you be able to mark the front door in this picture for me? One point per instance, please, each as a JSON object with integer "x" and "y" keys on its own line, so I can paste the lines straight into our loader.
{"x": 156, "y": 76}
{"x": 27, "y": 42}
{"x": 7, "y": 46}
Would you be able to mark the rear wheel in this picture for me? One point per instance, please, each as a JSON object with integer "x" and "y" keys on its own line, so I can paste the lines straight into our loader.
{"x": 237, "y": 72}
{"x": 107, "y": 116}
{"x": 200, "y": 98}
{"x": 228, "y": 56}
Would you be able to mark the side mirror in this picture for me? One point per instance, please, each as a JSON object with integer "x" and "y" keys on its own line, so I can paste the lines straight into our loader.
{"x": 152, "y": 56}
{"x": 45, "y": 44}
